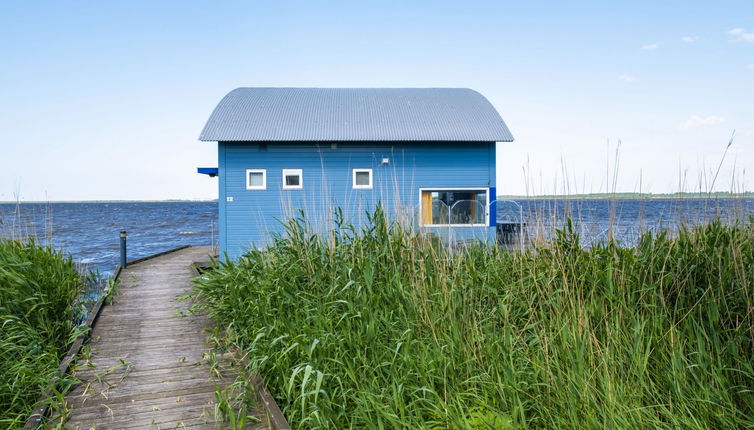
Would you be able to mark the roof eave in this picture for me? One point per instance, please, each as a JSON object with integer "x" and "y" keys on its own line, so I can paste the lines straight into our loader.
{"x": 505, "y": 140}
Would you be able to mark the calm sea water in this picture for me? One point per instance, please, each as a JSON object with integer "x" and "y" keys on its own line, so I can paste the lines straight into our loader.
{"x": 596, "y": 220}
{"x": 89, "y": 231}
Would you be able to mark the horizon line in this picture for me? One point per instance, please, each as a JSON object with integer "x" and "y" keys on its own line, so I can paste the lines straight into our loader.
{"x": 617, "y": 195}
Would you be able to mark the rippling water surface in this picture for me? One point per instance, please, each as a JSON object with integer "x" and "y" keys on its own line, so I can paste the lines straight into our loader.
{"x": 595, "y": 220}
{"x": 89, "y": 231}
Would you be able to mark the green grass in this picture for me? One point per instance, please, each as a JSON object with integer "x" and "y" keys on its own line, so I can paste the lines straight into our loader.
{"x": 40, "y": 307}
{"x": 380, "y": 328}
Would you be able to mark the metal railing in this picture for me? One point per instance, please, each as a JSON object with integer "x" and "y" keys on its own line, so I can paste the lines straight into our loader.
{"x": 511, "y": 222}
{"x": 465, "y": 221}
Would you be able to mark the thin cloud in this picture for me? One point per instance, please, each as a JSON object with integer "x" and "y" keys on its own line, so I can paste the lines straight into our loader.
{"x": 689, "y": 39}
{"x": 627, "y": 78}
{"x": 698, "y": 121}
{"x": 650, "y": 46}
{"x": 741, "y": 35}
{"x": 750, "y": 66}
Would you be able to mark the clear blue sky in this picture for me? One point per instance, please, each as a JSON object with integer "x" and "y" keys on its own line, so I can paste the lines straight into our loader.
{"x": 105, "y": 100}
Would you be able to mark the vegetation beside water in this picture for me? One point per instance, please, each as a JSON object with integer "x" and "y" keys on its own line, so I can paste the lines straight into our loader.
{"x": 40, "y": 305}
{"x": 631, "y": 195}
{"x": 380, "y": 328}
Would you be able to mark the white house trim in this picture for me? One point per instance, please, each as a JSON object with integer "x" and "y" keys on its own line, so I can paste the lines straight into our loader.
{"x": 294, "y": 172}
{"x": 362, "y": 187}
{"x": 256, "y": 187}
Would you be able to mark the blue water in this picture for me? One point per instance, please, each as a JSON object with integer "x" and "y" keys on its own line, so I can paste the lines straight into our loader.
{"x": 89, "y": 231}
{"x": 625, "y": 220}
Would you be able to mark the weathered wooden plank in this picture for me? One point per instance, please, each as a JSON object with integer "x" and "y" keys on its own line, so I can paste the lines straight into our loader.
{"x": 119, "y": 373}
{"x": 151, "y": 408}
{"x": 144, "y": 330}
{"x": 155, "y": 422}
{"x": 147, "y": 349}
{"x": 166, "y": 380}
{"x": 86, "y": 412}
{"x": 167, "y": 334}
{"x": 178, "y": 368}
{"x": 127, "y": 388}
{"x": 140, "y": 361}
{"x": 142, "y": 319}
{"x": 96, "y": 398}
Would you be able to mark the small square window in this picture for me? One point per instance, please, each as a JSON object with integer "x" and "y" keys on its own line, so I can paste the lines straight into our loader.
{"x": 362, "y": 179}
{"x": 256, "y": 179}
{"x": 293, "y": 179}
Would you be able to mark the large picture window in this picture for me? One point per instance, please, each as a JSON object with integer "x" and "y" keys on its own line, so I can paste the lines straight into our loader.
{"x": 456, "y": 207}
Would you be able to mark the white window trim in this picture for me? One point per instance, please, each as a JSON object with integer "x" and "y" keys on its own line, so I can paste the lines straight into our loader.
{"x": 486, "y": 207}
{"x": 264, "y": 179}
{"x": 362, "y": 187}
{"x": 290, "y": 172}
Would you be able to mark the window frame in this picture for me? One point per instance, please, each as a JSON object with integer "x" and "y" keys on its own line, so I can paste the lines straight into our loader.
{"x": 291, "y": 172}
{"x": 264, "y": 179}
{"x": 362, "y": 187}
{"x": 486, "y": 206}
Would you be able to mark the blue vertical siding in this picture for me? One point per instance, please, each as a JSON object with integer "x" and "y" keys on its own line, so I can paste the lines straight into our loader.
{"x": 221, "y": 223}
{"x": 254, "y": 215}
{"x": 493, "y": 187}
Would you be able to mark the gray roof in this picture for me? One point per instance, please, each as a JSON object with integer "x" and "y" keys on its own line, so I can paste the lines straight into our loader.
{"x": 355, "y": 114}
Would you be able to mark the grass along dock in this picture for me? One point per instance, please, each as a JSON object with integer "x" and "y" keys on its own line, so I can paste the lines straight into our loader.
{"x": 149, "y": 363}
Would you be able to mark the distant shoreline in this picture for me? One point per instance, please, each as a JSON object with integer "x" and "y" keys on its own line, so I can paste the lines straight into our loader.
{"x": 631, "y": 196}
{"x": 595, "y": 196}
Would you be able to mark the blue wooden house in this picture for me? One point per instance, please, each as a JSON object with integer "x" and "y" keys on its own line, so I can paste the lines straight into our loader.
{"x": 426, "y": 154}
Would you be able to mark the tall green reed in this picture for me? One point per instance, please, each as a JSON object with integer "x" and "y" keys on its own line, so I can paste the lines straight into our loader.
{"x": 40, "y": 306}
{"x": 381, "y": 328}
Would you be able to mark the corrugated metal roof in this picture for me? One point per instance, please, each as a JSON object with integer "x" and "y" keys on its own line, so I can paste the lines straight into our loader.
{"x": 355, "y": 114}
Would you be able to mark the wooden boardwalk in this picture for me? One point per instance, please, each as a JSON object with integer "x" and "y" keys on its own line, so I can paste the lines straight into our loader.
{"x": 149, "y": 360}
